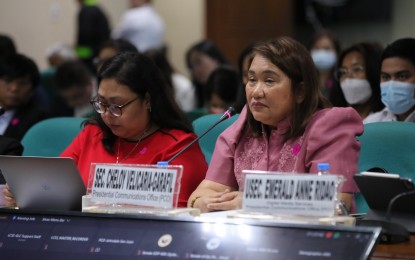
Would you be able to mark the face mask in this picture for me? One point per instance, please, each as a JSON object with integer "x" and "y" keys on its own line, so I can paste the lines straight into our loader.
{"x": 356, "y": 91}
{"x": 324, "y": 59}
{"x": 216, "y": 110}
{"x": 397, "y": 96}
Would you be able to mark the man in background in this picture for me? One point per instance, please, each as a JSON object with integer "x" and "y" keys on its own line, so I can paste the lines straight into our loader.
{"x": 92, "y": 30}
{"x": 76, "y": 86}
{"x": 19, "y": 79}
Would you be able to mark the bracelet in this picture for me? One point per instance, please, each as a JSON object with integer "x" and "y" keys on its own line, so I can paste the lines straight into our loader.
{"x": 192, "y": 202}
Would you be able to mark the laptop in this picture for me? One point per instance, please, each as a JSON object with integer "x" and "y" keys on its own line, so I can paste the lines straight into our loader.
{"x": 48, "y": 183}
{"x": 107, "y": 236}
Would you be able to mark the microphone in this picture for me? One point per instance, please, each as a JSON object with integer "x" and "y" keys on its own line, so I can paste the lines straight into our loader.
{"x": 392, "y": 232}
{"x": 394, "y": 199}
{"x": 2, "y": 110}
{"x": 228, "y": 114}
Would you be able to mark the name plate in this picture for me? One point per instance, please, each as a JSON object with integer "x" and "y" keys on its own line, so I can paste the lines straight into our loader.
{"x": 133, "y": 184}
{"x": 293, "y": 194}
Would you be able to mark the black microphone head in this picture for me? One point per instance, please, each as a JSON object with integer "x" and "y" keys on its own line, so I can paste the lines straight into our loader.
{"x": 228, "y": 113}
{"x": 2, "y": 110}
{"x": 231, "y": 111}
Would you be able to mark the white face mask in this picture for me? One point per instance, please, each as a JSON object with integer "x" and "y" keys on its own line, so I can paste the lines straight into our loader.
{"x": 356, "y": 91}
{"x": 324, "y": 59}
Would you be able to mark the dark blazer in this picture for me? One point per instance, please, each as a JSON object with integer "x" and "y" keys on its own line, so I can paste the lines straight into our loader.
{"x": 10, "y": 146}
{"x": 24, "y": 118}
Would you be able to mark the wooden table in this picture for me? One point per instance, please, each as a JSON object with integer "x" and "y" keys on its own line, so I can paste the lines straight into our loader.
{"x": 403, "y": 251}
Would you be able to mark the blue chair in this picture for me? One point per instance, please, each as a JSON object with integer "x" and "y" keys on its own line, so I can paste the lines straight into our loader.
{"x": 51, "y": 136}
{"x": 387, "y": 145}
{"x": 207, "y": 142}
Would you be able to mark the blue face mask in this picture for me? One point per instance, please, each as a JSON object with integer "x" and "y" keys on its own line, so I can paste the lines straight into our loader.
{"x": 397, "y": 96}
{"x": 324, "y": 59}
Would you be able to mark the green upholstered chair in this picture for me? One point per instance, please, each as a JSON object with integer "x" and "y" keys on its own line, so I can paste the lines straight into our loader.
{"x": 51, "y": 136}
{"x": 387, "y": 145}
{"x": 196, "y": 113}
{"x": 207, "y": 142}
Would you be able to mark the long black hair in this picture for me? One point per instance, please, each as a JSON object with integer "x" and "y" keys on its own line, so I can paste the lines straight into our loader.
{"x": 209, "y": 48}
{"x": 142, "y": 76}
{"x": 371, "y": 53}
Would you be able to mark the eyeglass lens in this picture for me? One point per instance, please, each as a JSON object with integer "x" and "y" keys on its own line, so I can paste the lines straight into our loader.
{"x": 101, "y": 108}
{"x": 355, "y": 71}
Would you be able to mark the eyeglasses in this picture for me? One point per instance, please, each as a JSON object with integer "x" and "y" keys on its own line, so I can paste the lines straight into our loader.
{"x": 115, "y": 110}
{"x": 342, "y": 73}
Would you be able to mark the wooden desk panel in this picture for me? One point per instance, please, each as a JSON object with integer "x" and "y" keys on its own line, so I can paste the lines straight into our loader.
{"x": 401, "y": 251}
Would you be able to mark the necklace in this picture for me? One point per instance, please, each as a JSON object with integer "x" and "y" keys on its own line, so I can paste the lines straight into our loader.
{"x": 132, "y": 150}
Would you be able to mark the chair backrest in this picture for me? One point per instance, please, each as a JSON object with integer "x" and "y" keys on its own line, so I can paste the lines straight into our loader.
{"x": 207, "y": 142}
{"x": 51, "y": 136}
{"x": 388, "y": 145}
{"x": 194, "y": 114}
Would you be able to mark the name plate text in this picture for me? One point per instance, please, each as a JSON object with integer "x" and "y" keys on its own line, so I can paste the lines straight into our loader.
{"x": 139, "y": 185}
{"x": 293, "y": 194}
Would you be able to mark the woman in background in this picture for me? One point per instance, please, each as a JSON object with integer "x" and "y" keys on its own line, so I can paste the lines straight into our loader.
{"x": 184, "y": 91}
{"x": 325, "y": 49}
{"x": 202, "y": 59}
{"x": 359, "y": 78}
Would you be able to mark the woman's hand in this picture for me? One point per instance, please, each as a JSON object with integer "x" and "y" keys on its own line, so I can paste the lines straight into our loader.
{"x": 8, "y": 197}
{"x": 226, "y": 200}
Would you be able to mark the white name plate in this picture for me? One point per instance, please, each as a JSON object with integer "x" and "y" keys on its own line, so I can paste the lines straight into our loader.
{"x": 133, "y": 184}
{"x": 292, "y": 194}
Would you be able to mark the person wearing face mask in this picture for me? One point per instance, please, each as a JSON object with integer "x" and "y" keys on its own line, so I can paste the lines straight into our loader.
{"x": 397, "y": 85}
{"x": 358, "y": 76}
{"x": 324, "y": 49}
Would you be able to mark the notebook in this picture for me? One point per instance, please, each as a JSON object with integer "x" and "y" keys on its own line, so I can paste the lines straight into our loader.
{"x": 107, "y": 236}
{"x": 49, "y": 183}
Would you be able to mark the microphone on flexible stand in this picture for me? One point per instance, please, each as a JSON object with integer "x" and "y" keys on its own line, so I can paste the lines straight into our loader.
{"x": 2, "y": 110}
{"x": 228, "y": 114}
{"x": 394, "y": 199}
{"x": 391, "y": 232}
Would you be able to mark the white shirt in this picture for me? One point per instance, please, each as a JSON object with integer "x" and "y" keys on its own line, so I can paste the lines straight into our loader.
{"x": 184, "y": 92}
{"x": 141, "y": 26}
{"x": 385, "y": 116}
{"x": 5, "y": 120}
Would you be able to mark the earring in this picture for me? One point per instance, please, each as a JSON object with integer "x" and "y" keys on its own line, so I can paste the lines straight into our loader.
{"x": 149, "y": 109}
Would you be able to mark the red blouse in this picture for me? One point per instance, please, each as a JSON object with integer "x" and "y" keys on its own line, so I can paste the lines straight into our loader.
{"x": 87, "y": 148}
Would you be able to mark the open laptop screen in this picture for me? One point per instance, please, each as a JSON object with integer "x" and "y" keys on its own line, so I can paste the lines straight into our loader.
{"x": 92, "y": 236}
{"x": 51, "y": 183}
